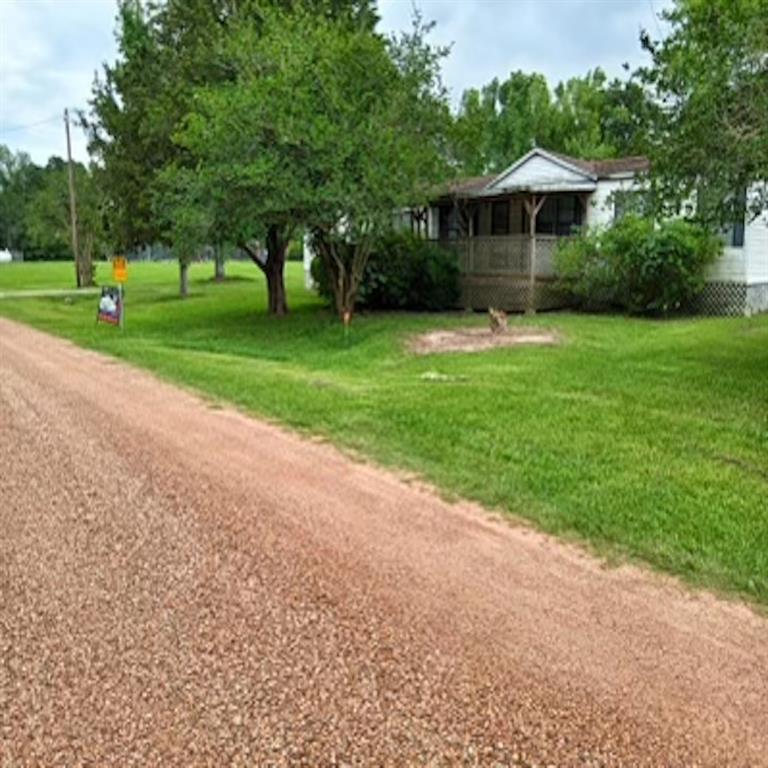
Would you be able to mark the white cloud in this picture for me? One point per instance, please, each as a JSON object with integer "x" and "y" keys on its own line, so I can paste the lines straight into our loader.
{"x": 49, "y": 50}
{"x": 560, "y": 38}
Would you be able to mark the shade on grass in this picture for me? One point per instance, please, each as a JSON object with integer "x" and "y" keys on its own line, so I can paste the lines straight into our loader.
{"x": 646, "y": 439}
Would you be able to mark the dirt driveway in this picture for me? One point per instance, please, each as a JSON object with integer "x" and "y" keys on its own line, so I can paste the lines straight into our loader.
{"x": 182, "y": 585}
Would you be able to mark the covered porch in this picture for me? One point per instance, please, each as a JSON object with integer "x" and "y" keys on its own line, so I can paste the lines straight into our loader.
{"x": 505, "y": 230}
{"x": 506, "y": 245}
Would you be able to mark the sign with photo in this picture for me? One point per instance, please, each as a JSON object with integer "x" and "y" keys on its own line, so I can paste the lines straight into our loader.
{"x": 110, "y": 305}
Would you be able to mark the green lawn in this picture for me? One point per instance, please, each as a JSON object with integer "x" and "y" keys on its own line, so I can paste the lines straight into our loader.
{"x": 646, "y": 439}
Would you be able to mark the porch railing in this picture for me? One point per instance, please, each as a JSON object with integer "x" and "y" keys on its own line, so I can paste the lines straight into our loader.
{"x": 504, "y": 254}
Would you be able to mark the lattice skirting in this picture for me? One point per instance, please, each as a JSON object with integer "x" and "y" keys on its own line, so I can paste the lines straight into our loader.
{"x": 721, "y": 298}
{"x": 507, "y": 293}
{"x": 511, "y": 294}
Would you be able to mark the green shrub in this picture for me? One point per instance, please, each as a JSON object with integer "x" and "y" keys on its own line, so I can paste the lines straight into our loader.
{"x": 403, "y": 272}
{"x": 637, "y": 265}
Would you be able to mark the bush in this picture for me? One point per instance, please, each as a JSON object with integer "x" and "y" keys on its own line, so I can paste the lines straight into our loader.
{"x": 403, "y": 272}
{"x": 637, "y": 265}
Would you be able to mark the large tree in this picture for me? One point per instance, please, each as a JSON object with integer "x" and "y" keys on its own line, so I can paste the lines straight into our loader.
{"x": 168, "y": 51}
{"x": 326, "y": 125}
{"x": 710, "y": 76}
{"x": 127, "y": 136}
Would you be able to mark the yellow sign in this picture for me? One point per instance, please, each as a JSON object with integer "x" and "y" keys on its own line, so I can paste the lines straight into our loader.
{"x": 120, "y": 269}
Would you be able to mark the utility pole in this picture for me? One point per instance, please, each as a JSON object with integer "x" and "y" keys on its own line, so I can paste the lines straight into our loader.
{"x": 72, "y": 203}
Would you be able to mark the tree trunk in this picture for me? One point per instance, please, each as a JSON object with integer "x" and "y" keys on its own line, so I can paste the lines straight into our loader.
{"x": 85, "y": 267}
{"x": 276, "y": 290}
{"x": 274, "y": 267}
{"x": 183, "y": 279}
{"x": 345, "y": 264}
{"x": 274, "y": 270}
{"x": 218, "y": 260}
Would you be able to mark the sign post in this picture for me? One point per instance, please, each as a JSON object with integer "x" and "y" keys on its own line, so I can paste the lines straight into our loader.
{"x": 120, "y": 276}
{"x": 112, "y": 301}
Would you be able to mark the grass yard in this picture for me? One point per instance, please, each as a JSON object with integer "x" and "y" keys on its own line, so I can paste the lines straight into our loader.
{"x": 646, "y": 439}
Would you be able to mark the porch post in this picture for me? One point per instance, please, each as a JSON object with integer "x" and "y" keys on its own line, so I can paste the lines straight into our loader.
{"x": 471, "y": 248}
{"x": 532, "y": 207}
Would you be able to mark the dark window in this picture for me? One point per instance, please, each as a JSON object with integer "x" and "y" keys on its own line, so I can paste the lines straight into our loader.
{"x": 547, "y": 216}
{"x": 446, "y": 222}
{"x": 569, "y": 214}
{"x": 735, "y": 233}
{"x": 500, "y": 218}
{"x": 558, "y": 216}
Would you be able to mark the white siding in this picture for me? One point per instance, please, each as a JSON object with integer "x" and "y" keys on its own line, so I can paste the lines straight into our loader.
{"x": 756, "y": 248}
{"x": 539, "y": 172}
{"x": 731, "y": 267}
{"x": 600, "y": 208}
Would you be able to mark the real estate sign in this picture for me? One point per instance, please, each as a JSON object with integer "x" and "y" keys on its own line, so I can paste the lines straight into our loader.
{"x": 111, "y": 305}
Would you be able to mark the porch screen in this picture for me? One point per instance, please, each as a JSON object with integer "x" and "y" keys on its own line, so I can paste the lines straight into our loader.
{"x": 559, "y": 215}
{"x": 500, "y": 217}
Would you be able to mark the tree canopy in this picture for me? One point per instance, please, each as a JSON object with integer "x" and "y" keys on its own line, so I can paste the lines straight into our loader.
{"x": 34, "y": 207}
{"x": 587, "y": 116}
{"x": 20, "y": 179}
{"x": 710, "y": 76}
{"x": 324, "y": 125}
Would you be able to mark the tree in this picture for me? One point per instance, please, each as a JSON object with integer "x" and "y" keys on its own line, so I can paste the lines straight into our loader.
{"x": 20, "y": 179}
{"x": 168, "y": 51}
{"x": 502, "y": 121}
{"x": 127, "y": 137}
{"x": 710, "y": 76}
{"x": 47, "y": 217}
{"x": 584, "y": 116}
{"x": 327, "y": 125}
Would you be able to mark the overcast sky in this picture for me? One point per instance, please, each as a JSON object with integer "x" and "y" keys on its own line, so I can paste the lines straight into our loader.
{"x": 50, "y": 49}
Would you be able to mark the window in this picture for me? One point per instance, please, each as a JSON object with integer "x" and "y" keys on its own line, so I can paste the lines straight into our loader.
{"x": 737, "y": 234}
{"x": 500, "y": 217}
{"x": 734, "y": 234}
{"x": 446, "y": 222}
{"x": 558, "y": 216}
{"x": 545, "y": 220}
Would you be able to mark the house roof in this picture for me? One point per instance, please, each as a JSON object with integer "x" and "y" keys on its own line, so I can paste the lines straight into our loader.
{"x": 470, "y": 184}
{"x": 543, "y": 171}
{"x": 605, "y": 168}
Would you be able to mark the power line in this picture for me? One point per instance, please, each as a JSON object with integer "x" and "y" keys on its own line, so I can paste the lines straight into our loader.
{"x": 14, "y": 128}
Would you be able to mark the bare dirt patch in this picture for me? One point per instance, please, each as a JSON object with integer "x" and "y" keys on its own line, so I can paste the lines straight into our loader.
{"x": 479, "y": 340}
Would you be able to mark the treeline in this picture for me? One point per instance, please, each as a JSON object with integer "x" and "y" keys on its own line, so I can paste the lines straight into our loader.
{"x": 589, "y": 117}
{"x": 34, "y": 208}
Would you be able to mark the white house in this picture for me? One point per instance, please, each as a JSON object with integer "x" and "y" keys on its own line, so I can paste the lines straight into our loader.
{"x": 505, "y": 226}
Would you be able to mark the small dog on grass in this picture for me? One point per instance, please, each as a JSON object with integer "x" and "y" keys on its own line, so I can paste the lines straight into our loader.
{"x": 498, "y": 320}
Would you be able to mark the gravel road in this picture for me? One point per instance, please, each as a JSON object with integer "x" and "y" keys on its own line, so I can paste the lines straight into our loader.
{"x": 181, "y": 585}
